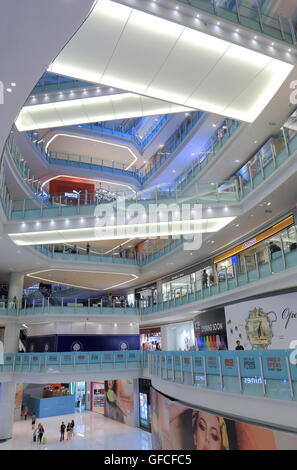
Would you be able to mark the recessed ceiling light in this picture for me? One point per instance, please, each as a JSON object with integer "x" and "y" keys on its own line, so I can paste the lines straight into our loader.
{"x": 214, "y": 125}
{"x": 237, "y": 161}
{"x": 255, "y": 37}
{"x": 237, "y": 30}
{"x": 177, "y": 7}
{"x": 218, "y": 23}
{"x": 272, "y": 43}
{"x": 289, "y": 50}
{"x": 9, "y": 90}
{"x": 198, "y": 16}
{"x": 173, "y": 171}
{"x": 13, "y": 84}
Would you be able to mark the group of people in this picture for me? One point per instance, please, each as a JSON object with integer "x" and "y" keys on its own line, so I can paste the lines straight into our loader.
{"x": 38, "y": 433}
{"x": 69, "y": 430}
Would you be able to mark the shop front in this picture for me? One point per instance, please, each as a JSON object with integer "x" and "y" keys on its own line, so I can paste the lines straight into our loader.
{"x": 97, "y": 397}
{"x": 187, "y": 281}
{"x": 210, "y": 330}
{"x": 150, "y": 339}
{"x": 258, "y": 250}
{"x": 146, "y": 296}
{"x": 178, "y": 337}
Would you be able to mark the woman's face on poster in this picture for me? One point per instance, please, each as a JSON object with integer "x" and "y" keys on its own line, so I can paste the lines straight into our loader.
{"x": 207, "y": 432}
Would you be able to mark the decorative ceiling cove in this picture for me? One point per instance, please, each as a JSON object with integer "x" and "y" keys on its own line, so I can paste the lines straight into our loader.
{"x": 174, "y": 68}
{"x": 135, "y": 51}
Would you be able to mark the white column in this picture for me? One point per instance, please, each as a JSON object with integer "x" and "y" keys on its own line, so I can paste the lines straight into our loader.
{"x": 7, "y": 399}
{"x": 164, "y": 337}
{"x": 16, "y": 285}
{"x": 11, "y": 338}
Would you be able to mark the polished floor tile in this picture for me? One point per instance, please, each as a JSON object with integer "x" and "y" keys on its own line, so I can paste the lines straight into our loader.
{"x": 92, "y": 432}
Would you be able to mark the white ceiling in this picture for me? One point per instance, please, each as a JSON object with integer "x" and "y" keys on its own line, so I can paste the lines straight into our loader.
{"x": 128, "y": 49}
{"x": 88, "y": 110}
{"x": 94, "y": 280}
{"x": 91, "y": 146}
{"x": 115, "y": 232}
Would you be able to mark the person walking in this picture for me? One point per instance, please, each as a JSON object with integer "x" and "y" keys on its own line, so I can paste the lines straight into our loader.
{"x": 62, "y": 431}
{"x": 35, "y": 434}
{"x": 26, "y": 413}
{"x": 239, "y": 347}
{"x": 33, "y": 420}
{"x": 204, "y": 279}
{"x": 72, "y": 427}
{"x": 40, "y": 432}
{"x": 68, "y": 430}
{"x": 88, "y": 248}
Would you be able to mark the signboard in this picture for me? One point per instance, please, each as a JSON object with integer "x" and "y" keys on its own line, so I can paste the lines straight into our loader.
{"x": 266, "y": 323}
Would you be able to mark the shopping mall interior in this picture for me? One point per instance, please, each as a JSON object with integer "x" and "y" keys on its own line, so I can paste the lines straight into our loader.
{"x": 148, "y": 225}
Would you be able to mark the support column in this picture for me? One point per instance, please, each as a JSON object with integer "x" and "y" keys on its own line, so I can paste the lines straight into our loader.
{"x": 11, "y": 338}
{"x": 16, "y": 285}
{"x": 7, "y": 399}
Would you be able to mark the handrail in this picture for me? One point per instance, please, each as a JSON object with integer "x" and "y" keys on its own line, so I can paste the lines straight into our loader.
{"x": 274, "y": 26}
{"x": 281, "y": 261}
{"x": 124, "y": 256}
{"x": 222, "y": 371}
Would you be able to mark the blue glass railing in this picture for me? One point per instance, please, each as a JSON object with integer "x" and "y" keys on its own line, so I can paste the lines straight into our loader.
{"x": 271, "y": 374}
{"x": 71, "y": 253}
{"x": 212, "y": 148}
{"x": 172, "y": 144}
{"x": 130, "y": 134}
{"x": 243, "y": 13}
{"x": 277, "y": 262}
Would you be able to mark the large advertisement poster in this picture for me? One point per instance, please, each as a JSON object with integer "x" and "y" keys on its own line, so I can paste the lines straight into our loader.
{"x": 119, "y": 401}
{"x": 176, "y": 427}
{"x": 268, "y": 323}
{"x": 210, "y": 331}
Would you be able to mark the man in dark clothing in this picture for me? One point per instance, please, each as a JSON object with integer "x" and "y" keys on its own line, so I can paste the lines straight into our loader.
{"x": 239, "y": 347}
{"x": 62, "y": 431}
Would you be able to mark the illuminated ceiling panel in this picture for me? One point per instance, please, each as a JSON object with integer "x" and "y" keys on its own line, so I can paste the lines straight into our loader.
{"x": 104, "y": 108}
{"x": 128, "y": 49}
{"x": 117, "y": 232}
{"x": 94, "y": 280}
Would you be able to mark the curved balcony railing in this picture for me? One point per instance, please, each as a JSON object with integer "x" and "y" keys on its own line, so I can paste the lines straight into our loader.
{"x": 221, "y": 283}
{"x": 213, "y": 146}
{"x": 225, "y": 281}
{"x": 251, "y": 17}
{"x": 247, "y": 373}
{"x": 171, "y": 145}
{"x": 130, "y": 134}
{"x": 126, "y": 256}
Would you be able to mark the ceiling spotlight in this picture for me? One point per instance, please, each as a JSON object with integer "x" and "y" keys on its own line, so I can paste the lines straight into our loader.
{"x": 289, "y": 50}
{"x": 9, "y": 90}
{"x": 177, "y": 7}
{"x": 173, "y": 171}
{"x": 272, "y": 43}
{"x": 218, "y": 23}
{"x": 214, "y": 125}
{"x": 237, "y": 30}
{"x": 13, "y": 84}
{"x": 198, "y": 16}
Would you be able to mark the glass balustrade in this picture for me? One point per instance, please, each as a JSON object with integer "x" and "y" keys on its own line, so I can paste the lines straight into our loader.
{"x": 213, "y": 146}
{"x": 72, "y": 252}
{"x": 220, "y": 282}
{"x": 249, "y": 373}
{"x": 243, "y": 13}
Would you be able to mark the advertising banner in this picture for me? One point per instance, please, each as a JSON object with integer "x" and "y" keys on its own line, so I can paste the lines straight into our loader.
{"x": 119, "y": 401}
{"x": 176, "y": 427}
{"x": 267, "y": 323}
{"x": 210, "y": 330}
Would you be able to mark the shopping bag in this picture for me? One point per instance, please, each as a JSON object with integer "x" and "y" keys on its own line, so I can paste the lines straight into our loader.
{"x": 44, "y": 441}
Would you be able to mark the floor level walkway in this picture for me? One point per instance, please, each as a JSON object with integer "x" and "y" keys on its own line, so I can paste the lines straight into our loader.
{"x": 92, "y": 432}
